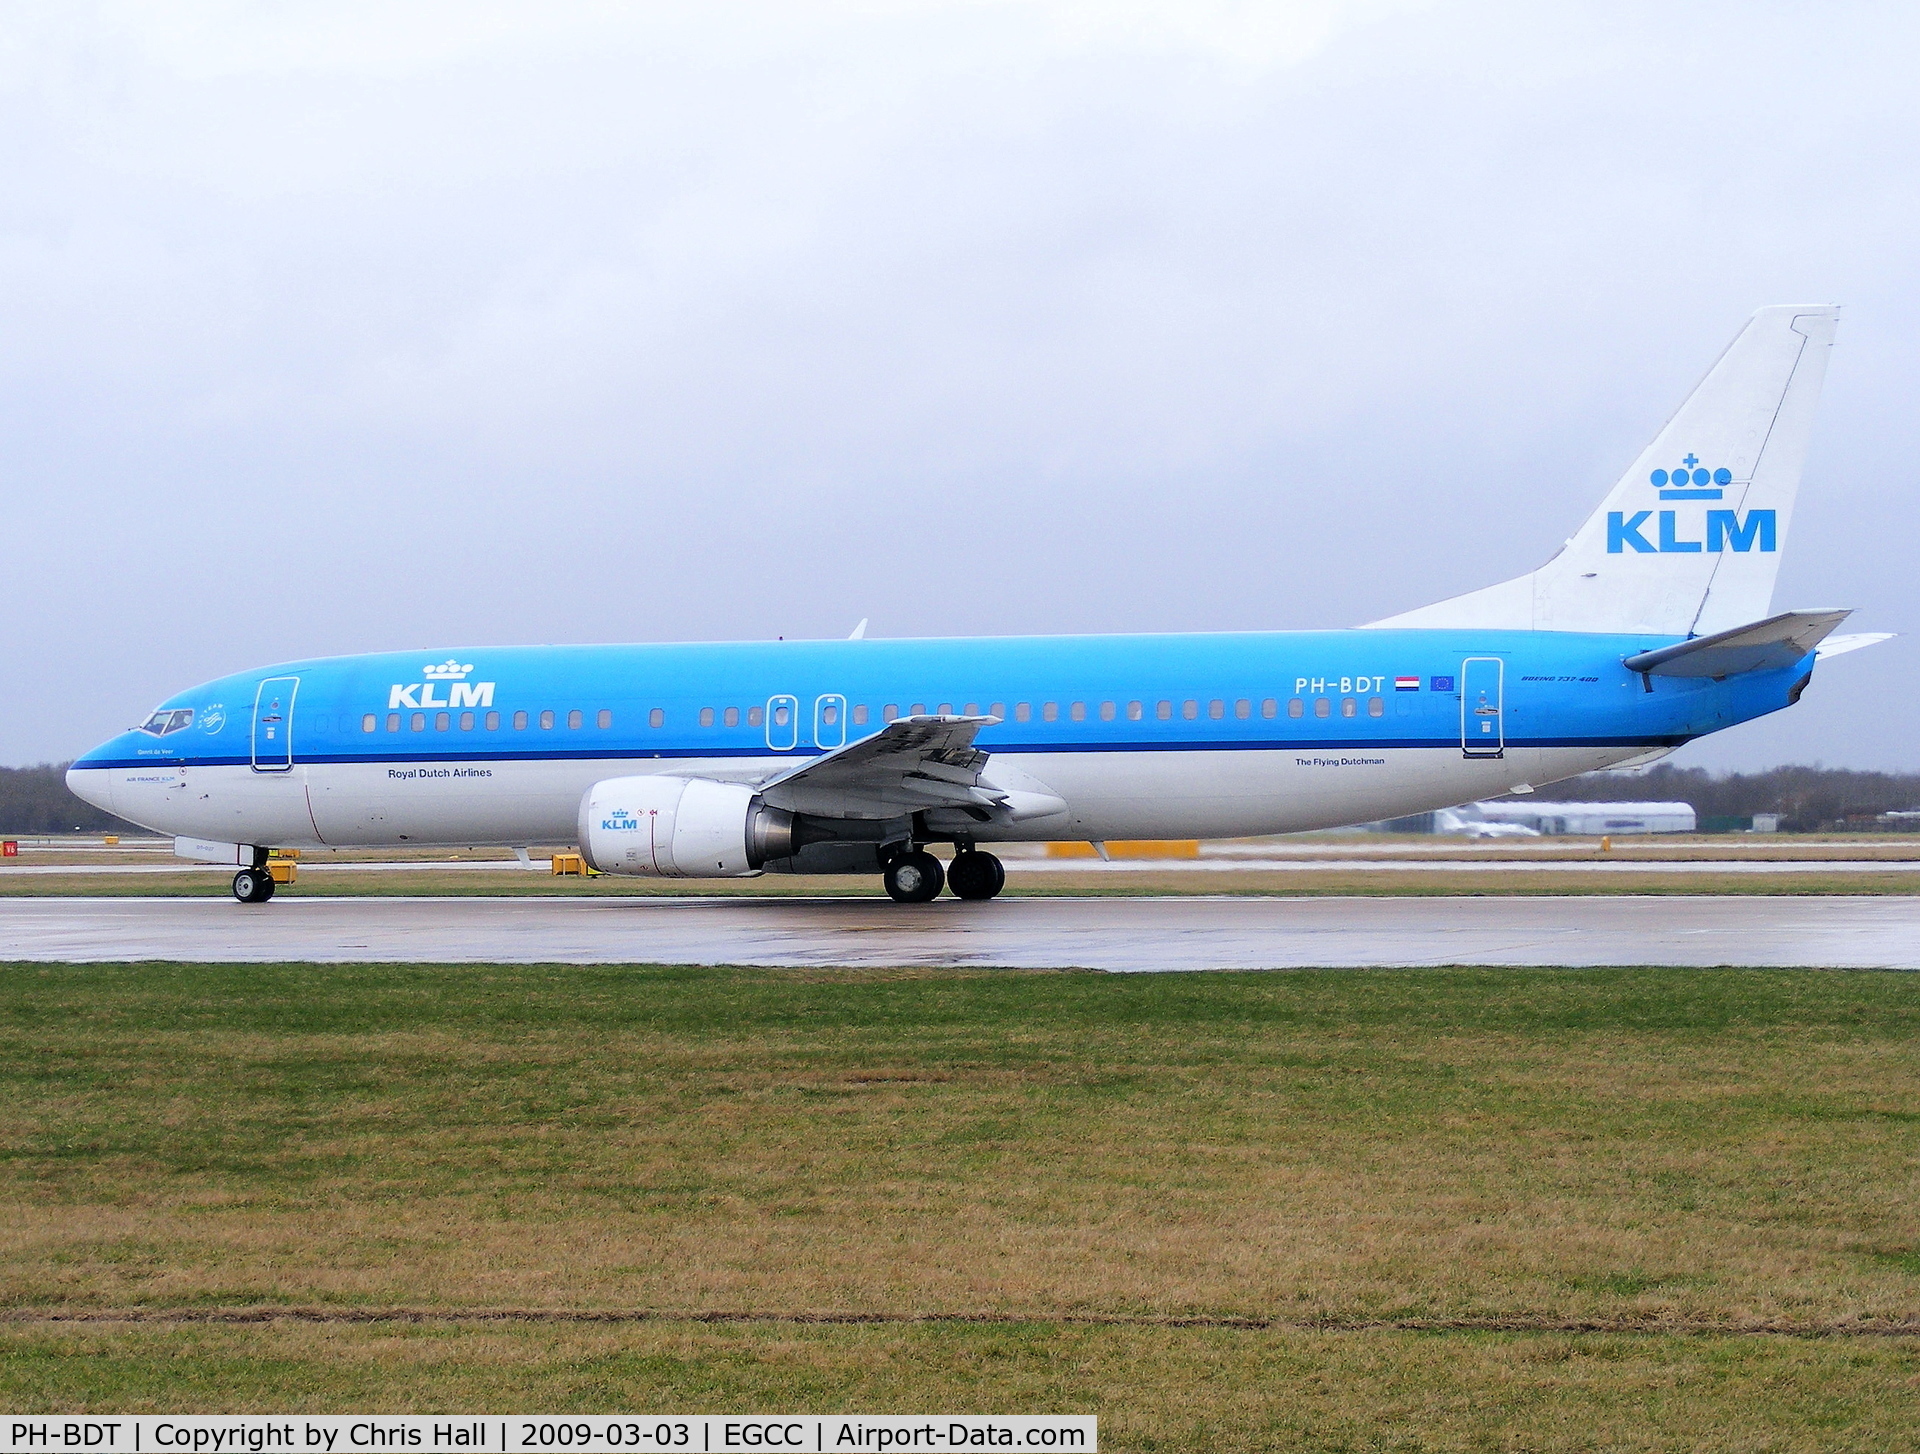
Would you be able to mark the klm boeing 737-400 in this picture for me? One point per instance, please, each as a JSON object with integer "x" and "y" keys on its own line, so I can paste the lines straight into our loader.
{"x": 1652, "y": 626}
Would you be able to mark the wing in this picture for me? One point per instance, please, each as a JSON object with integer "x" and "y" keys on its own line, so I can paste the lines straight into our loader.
{"x": 910, "y": 765}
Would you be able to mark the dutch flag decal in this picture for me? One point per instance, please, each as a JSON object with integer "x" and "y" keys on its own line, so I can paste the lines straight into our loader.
{"x": 1406, "y": 684}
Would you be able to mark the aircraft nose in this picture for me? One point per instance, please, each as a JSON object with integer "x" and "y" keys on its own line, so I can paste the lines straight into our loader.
{"x": 91, "y": 784}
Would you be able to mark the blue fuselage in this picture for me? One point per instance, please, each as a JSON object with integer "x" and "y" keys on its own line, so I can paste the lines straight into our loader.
{"x": 1196, "y": 735}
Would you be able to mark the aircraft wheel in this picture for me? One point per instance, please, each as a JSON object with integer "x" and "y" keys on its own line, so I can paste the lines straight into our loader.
{"x": 253, "y": 886}
{"x": 976, "y": 875}
{"x": 914, "y": 878}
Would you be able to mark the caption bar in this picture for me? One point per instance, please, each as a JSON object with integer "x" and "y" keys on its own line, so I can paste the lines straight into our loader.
{"x": 604, "y": 1434}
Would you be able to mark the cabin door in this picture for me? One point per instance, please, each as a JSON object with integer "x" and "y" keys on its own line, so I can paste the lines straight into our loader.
{"x": 830, "y": 722}
{"x": 783, "y": 723}
{"x": 1483, "y": 730}
{"x": 273, "y": 724}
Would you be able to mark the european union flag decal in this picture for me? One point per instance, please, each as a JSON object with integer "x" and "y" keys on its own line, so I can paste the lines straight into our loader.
{"x": 1441, "y": 684}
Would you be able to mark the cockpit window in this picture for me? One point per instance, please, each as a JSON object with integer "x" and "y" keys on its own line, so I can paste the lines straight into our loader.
{"x": 165, "y": 721}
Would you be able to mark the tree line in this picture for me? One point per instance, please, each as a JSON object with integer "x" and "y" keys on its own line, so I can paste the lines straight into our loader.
{"x": 35, "y": 800}
{"x": 1808, "y": 799}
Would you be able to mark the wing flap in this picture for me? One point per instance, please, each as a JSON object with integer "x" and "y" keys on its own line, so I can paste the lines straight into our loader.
{"x": 911, "y": 764}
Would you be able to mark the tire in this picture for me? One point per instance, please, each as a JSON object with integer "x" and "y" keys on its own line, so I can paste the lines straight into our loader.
{"x": 976, "y": 875}
{"x": 253, "y": 885}
{"x": 914, "y": 878}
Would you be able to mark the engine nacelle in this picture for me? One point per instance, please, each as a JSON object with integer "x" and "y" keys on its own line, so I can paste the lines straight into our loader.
{"x": 680, "y": 827}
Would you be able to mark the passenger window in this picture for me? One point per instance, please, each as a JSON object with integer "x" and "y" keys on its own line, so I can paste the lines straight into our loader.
{"x": 890, "y": 711}
{"x": 1023, "y": 711}
{"x": 441, "y": 721}
{"x": 656, "y": 718}
{"x": 575, "y": 718}
{"x": 782, "y": 715}
{"x": 998, "y": 709}
{"x": 1270, "y": 708}
{"x": 829, "y": 714}
{"x": 393, "y": 721}
{"x": 1107, "y": 711}
{"x": 419, "y": 723}
{"x": 1135, "y": 711}
{"x": 1164, "y": 711}
{"x": 1078, "y": 711}
{"x": 368, "y": 722}
{"x": 466, "y": 721}
{"x": 605, "y": 718}
{"x": 493, "y": 721}
{"x": 945, "y": 709}
{"x": 973, "y": 709}
{"x": 860, "y": 715}
{"x": 546, "y": 721}
{"x": 319, "y": 724}
{"x": 1322, "y": 707}
{"x": 1243, "y": 709}
{"x": 1376, "y": 706}
{"x": 1349, "y": 707}
{"x": 729, "y": 718}
{"x": 519, "y": 721}
{"x": 755, "y": 716}
{"x": 918, "y": 709}
{"x": 706, "y": 716}
{"x": 1190, "y": 710}
{"x": 1050, "y": 711}
{"x": 1216, "y": 709}
{"x": 1296, "y": 707}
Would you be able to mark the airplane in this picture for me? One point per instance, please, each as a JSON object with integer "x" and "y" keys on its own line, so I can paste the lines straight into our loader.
{"x": 1652, "y": 626}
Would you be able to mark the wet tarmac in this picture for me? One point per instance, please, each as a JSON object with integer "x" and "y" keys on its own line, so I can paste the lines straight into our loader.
{"x": 1119, "y": 934}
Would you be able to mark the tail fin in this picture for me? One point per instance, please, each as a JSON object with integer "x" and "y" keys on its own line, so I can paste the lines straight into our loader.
{"x": 1688, "y": 543}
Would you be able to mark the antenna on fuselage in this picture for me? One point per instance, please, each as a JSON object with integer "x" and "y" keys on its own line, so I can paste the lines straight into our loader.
{"x": 859, "y": 632}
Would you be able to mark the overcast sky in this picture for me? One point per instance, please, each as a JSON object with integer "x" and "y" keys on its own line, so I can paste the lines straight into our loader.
{"x": 340, "y": 328}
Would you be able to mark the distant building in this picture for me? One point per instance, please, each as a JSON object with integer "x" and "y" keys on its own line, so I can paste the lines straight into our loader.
{"x": 1526, "y": 819}
{"x": 1590, "y": 819}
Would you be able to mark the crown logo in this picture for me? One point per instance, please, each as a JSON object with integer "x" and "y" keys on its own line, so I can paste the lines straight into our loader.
{"x": 449, "y": 670}
{"x": 1691, "y": 481}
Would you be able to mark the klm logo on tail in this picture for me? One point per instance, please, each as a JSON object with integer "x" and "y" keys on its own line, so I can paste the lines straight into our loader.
{"x": 1725, "y": 529}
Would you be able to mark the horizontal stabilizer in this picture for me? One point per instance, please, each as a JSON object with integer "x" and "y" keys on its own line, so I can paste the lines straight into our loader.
{"x": 1779, "y": 641}
{"x": 1841, "y": 645}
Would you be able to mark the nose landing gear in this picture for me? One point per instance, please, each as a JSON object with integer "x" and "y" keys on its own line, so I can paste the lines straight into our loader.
{"x": 253, "y": 885}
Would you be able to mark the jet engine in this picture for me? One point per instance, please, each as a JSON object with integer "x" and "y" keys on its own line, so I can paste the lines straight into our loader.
{"x": 681, "y": 827}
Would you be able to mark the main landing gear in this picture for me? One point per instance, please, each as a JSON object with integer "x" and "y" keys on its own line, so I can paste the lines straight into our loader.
{"x": 253, "y": 885}
{"x": 915, "y": 877}
{"x": 975, "y": 875}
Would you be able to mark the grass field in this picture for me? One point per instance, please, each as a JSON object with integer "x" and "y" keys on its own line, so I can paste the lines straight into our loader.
{"x": 1328, "y": 1210}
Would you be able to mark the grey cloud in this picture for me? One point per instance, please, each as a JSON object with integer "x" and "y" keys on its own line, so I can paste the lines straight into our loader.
{"x": 703, "y": 322}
